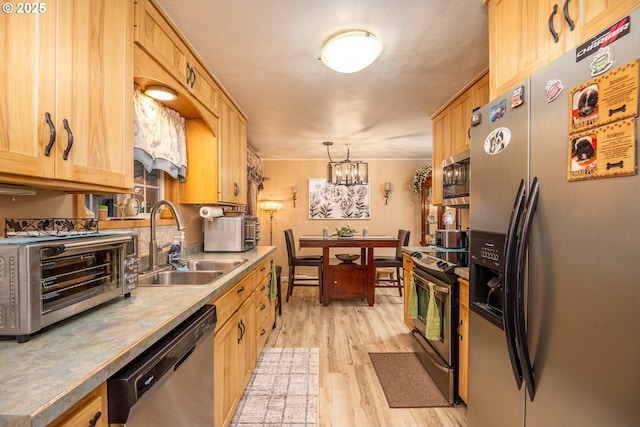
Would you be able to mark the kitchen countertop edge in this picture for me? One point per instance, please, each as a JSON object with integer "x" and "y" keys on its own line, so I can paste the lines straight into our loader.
{"x": 38, "y": 386}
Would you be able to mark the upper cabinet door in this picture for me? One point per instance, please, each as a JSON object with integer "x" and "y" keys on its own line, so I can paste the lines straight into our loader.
{"x": 232, "y": 157}
{"x": 27, "y": 82}
{"x": 95, "y": 87}
{"x": 66, "y": 120}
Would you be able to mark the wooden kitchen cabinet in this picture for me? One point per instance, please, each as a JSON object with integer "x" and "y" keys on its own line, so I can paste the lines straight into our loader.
{"x": 232, "y": 154}
{"x": 241, "y": 332}
{"x": 346, "y": 280}
{"x": 67, "y": 103}
{"x": 155, "y": 33}
{"x": 521, "y": 43}
{"x": 407, "y": 265}
{"x": 201, "y": 185}
{"x": 450, "y": 128}
{"x": 463, "y": 340}
{"x": 234, "y": 337}
{"x": 90, "y": 411}
{"x": 265, "y": 307}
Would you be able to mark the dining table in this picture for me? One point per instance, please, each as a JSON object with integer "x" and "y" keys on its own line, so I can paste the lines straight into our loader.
{"x": 345, "y": 280}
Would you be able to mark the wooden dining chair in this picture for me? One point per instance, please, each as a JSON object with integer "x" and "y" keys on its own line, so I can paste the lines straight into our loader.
{"x": 301, "y": 261}
{"x": 392, "y": 262}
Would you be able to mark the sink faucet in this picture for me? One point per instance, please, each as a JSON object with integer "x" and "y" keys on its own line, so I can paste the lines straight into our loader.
{"x": 153, "y": 244}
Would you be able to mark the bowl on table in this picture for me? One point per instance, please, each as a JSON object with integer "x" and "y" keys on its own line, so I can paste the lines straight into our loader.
{"x": 347, "y": 258}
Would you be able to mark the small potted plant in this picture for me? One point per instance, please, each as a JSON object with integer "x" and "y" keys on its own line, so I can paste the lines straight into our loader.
{"x": 344, "y": 231}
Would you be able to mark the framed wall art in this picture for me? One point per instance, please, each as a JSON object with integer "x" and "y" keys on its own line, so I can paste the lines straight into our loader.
{"x": 338, "y": 201}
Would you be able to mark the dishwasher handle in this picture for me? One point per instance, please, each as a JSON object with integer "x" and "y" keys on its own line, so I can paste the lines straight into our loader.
{"x": 158, "y": 362}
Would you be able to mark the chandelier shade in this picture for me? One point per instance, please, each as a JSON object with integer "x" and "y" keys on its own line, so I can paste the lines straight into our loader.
{"x": 346, "y": 172}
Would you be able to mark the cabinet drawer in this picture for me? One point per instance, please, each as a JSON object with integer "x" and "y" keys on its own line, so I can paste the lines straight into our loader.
{"x": 263, "y": 270}
{"x": 262, "y": 310}
{"x": 264, "y": 322}
{"x": 262, "y": 289}
{"x": 228, "y": 302}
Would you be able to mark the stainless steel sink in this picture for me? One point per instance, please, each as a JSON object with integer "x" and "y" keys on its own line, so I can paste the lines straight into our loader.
{"x": 176, "y": 278}
{"x": 201, "y": 272}
{"x": 213, "y": 265}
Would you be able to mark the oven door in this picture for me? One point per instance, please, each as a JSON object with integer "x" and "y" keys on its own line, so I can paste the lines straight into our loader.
{"x": 444, "y": 305}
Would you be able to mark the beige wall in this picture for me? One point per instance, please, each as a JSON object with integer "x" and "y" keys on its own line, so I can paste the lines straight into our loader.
{"x": 403, "y": 210}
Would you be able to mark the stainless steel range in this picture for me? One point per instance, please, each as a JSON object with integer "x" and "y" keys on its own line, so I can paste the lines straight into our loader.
{"x": 434, "y": 331}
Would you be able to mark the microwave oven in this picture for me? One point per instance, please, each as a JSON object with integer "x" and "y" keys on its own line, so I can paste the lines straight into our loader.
{"x": 455, "y": 180}
{"x": 231, "y": 233}
{"x": 44, "y": 280}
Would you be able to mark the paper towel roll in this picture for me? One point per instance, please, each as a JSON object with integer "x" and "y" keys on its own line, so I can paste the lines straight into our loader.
{"x": 210, "y": 212}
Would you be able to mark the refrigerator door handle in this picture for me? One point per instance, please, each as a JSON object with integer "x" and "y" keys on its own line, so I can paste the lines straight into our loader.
{"x": 509, "y": 290}
{"x": 521, "y": 333}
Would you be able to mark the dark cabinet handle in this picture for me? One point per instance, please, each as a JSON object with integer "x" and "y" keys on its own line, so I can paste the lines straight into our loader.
{"x": 565, "y": 11}
{"x": 52, "y": 134}
{"x": 242, "y": 330}
{"x": 188, "y": 74}
{"x": 195, "y": 76}
{"x": 236, "y": 189}
{"x": 65, "y": 156}
{"x": 551, "y": 29}
{"x": 240, "y": 290}
{"x": 93, "y": 421}
{"x": 262, "y": 332}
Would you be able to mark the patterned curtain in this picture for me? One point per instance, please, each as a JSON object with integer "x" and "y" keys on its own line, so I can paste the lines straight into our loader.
{"x": 254, "y": 179}
{"x": 159, "y": 139}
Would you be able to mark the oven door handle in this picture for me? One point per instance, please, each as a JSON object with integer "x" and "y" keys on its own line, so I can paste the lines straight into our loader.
{"x": 521, "y": 332}
{"x": 437, "y": 288}
{"x": 509, "y": 290}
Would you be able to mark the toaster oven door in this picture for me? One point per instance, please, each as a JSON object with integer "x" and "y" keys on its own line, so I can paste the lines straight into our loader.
{"x": 75, "y": 277}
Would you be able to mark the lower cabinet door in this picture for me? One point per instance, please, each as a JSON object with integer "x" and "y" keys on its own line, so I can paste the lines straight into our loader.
{"x": 225, "y": 368}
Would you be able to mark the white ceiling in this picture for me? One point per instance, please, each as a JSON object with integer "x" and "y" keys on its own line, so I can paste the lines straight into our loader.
{"x": 265, "y": 53}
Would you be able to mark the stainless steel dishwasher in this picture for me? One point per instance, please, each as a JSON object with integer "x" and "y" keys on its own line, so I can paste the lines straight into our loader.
{"x": 171, "y": 383}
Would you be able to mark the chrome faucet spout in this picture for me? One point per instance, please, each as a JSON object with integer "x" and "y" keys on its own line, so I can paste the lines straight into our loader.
{"x": 153, "y": 244}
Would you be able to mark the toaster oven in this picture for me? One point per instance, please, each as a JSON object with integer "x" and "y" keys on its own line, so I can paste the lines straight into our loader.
{"x": 231, "y": 233}
{"x": 44, "y": 280}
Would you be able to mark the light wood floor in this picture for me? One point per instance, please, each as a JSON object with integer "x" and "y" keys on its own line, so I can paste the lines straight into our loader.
{"x": 346, "y": 331}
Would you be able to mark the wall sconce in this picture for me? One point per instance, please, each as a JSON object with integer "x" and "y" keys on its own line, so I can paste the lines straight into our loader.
{"x": 387, "y": 190}
{"x": 294, "y": 191}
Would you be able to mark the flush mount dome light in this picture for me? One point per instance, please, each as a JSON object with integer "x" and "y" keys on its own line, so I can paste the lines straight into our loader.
{"x": 351, "y": 51}
{"x": 161, "y": 93}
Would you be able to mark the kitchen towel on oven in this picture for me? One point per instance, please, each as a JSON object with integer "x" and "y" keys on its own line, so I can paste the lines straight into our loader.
{"x": 433, "y": 316}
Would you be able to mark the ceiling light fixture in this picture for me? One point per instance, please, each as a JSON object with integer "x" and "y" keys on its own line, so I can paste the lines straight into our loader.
{"x": 161, "y": 93}
{"x": 350, "y": 51}
{"x": 346, "y": 172}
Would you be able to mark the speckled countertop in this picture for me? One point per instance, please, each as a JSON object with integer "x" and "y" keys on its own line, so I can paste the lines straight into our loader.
{"x": 43, "y": 377}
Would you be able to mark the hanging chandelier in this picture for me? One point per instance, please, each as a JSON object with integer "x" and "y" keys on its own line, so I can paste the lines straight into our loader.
{"x": 346, "y": 172}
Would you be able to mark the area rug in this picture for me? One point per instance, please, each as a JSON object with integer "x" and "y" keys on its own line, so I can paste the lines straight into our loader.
{"x": 405, "y": 382}
{"x": 282, "y": 391}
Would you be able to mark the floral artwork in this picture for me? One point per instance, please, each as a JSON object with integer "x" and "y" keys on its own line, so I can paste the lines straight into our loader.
{"x": 338, "y": 201}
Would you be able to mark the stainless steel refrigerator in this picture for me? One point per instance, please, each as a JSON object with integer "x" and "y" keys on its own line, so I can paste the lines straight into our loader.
{"x": 554, "y": 326}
